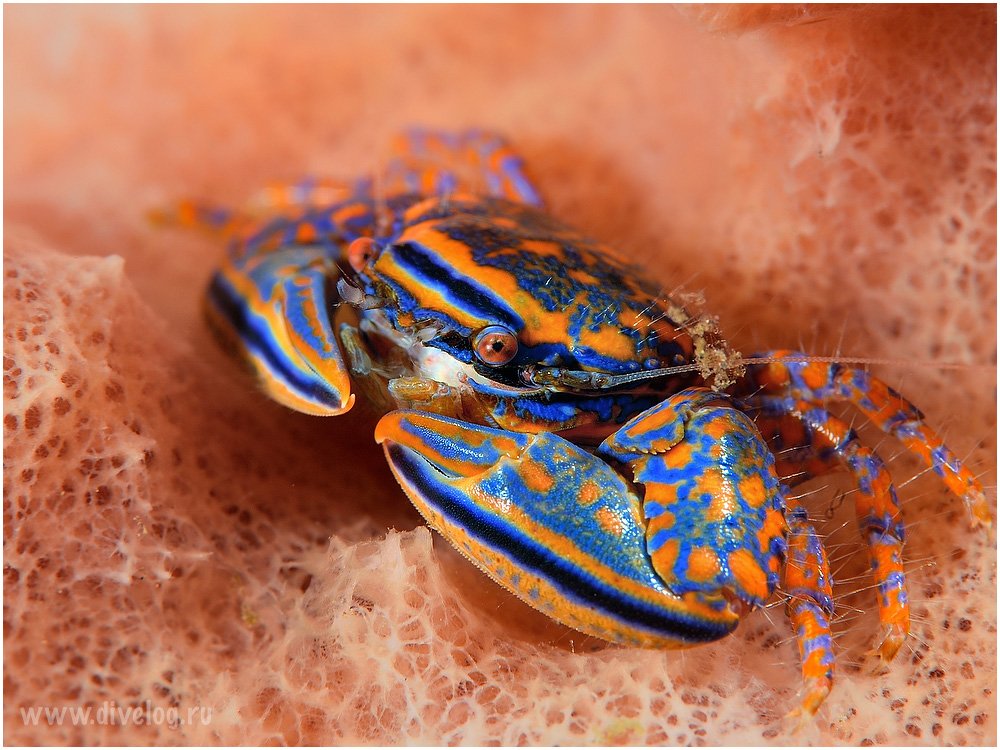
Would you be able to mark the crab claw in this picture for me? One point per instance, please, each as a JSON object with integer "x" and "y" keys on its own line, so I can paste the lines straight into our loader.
{"x": 551, "y": 523}
{"x": 277, "y": 314}
{"x": 712, "y": 500}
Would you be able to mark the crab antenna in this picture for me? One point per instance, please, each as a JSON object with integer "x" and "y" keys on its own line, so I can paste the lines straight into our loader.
{"x": 582, "y": 379}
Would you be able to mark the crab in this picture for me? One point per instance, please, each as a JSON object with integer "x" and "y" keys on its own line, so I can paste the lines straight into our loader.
{"x": 588, "y": 443}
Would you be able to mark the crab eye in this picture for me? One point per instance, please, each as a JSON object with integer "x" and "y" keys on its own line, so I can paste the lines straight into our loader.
{"x": 495, "y": 345}
{"x": 360, "y": 252}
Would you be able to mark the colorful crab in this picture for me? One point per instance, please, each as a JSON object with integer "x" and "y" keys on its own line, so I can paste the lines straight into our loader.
{"x": 567, "y": 427}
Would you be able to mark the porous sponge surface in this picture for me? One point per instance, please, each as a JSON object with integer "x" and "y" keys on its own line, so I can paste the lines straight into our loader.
{"x": 170, "y": 536}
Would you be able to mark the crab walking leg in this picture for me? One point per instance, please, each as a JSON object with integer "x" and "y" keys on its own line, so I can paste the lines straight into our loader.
{"x": 795, "y": 459}
{"x": 212, "y": 220}
{"x": 876, "y": 506}
{"x": 307, "y": 193}
{"x": 434, "y": 162}
{"x": 551, "y": 523}
{"x": 808, "y": 585}
{"x": 807, "y": 580}
{"x": 277, "y": 199}
{"x": 821, "y": 381}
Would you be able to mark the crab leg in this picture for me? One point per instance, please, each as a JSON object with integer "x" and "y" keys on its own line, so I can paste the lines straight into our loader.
{"x": 551, "y": 523}
{"x": 796, "y": 460}
{"x": 305, "y": 194}
{"x": 821, "y": 381}
{"x": 440, "y": 163}
{"x": 876, "y": 503}
{"x": 190, "y": 214}
{"x": 808, "y": 585}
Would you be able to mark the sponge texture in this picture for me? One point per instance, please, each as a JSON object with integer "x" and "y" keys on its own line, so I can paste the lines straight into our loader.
{"x": 174, "y": 540}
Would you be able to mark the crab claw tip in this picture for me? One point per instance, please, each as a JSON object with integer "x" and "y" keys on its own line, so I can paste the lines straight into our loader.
{"x": 453, "y": 447}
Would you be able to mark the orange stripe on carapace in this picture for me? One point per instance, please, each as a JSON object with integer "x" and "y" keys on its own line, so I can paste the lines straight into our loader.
{"x": 543, "y": 323}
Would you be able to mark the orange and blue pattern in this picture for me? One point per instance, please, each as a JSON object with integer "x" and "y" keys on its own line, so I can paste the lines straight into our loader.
{"x": 551, "y": 412}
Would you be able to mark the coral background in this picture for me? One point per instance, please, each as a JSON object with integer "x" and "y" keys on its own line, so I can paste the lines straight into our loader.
{"x": 827, "y": 176}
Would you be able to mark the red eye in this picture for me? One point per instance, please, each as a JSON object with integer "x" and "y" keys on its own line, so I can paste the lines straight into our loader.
{"x": 360, "y": 252}
{"x": 495, "y": 345}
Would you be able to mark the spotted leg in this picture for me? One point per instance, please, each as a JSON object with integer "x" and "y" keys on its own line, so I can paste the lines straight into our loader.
{"x": 279, "y": 199}
{"x": 807, "y": 579}
{"x": 433, "y": 162}
{"x": 212, "y": 220}
{"x": 305, "y": 194}
{"x": 889, "y": 411}
{"x": 808, "y": 586}
{"x": 818, "y": 442}
{"x": 796, "y": 459}
{"x": 827, "y": 443}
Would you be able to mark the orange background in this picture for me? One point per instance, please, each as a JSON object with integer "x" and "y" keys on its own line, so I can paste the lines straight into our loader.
{"x": 826, "y": 177}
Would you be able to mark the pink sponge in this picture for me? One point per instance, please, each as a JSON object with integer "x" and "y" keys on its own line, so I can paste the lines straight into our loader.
{"x": 174, "y": 542}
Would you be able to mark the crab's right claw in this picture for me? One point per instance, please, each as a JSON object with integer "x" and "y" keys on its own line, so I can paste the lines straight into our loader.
{"x": 551, "y": 523}
{"x": 718, "y": 518}
{"x": 275, "y": 310}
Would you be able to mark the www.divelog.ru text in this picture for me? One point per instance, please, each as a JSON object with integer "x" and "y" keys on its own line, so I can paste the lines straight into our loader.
{"x": 111, "y": 713}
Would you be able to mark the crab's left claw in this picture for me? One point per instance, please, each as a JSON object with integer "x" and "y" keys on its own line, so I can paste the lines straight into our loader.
{"x": 275, "y": 309}
{"x": 550, "y": 522}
